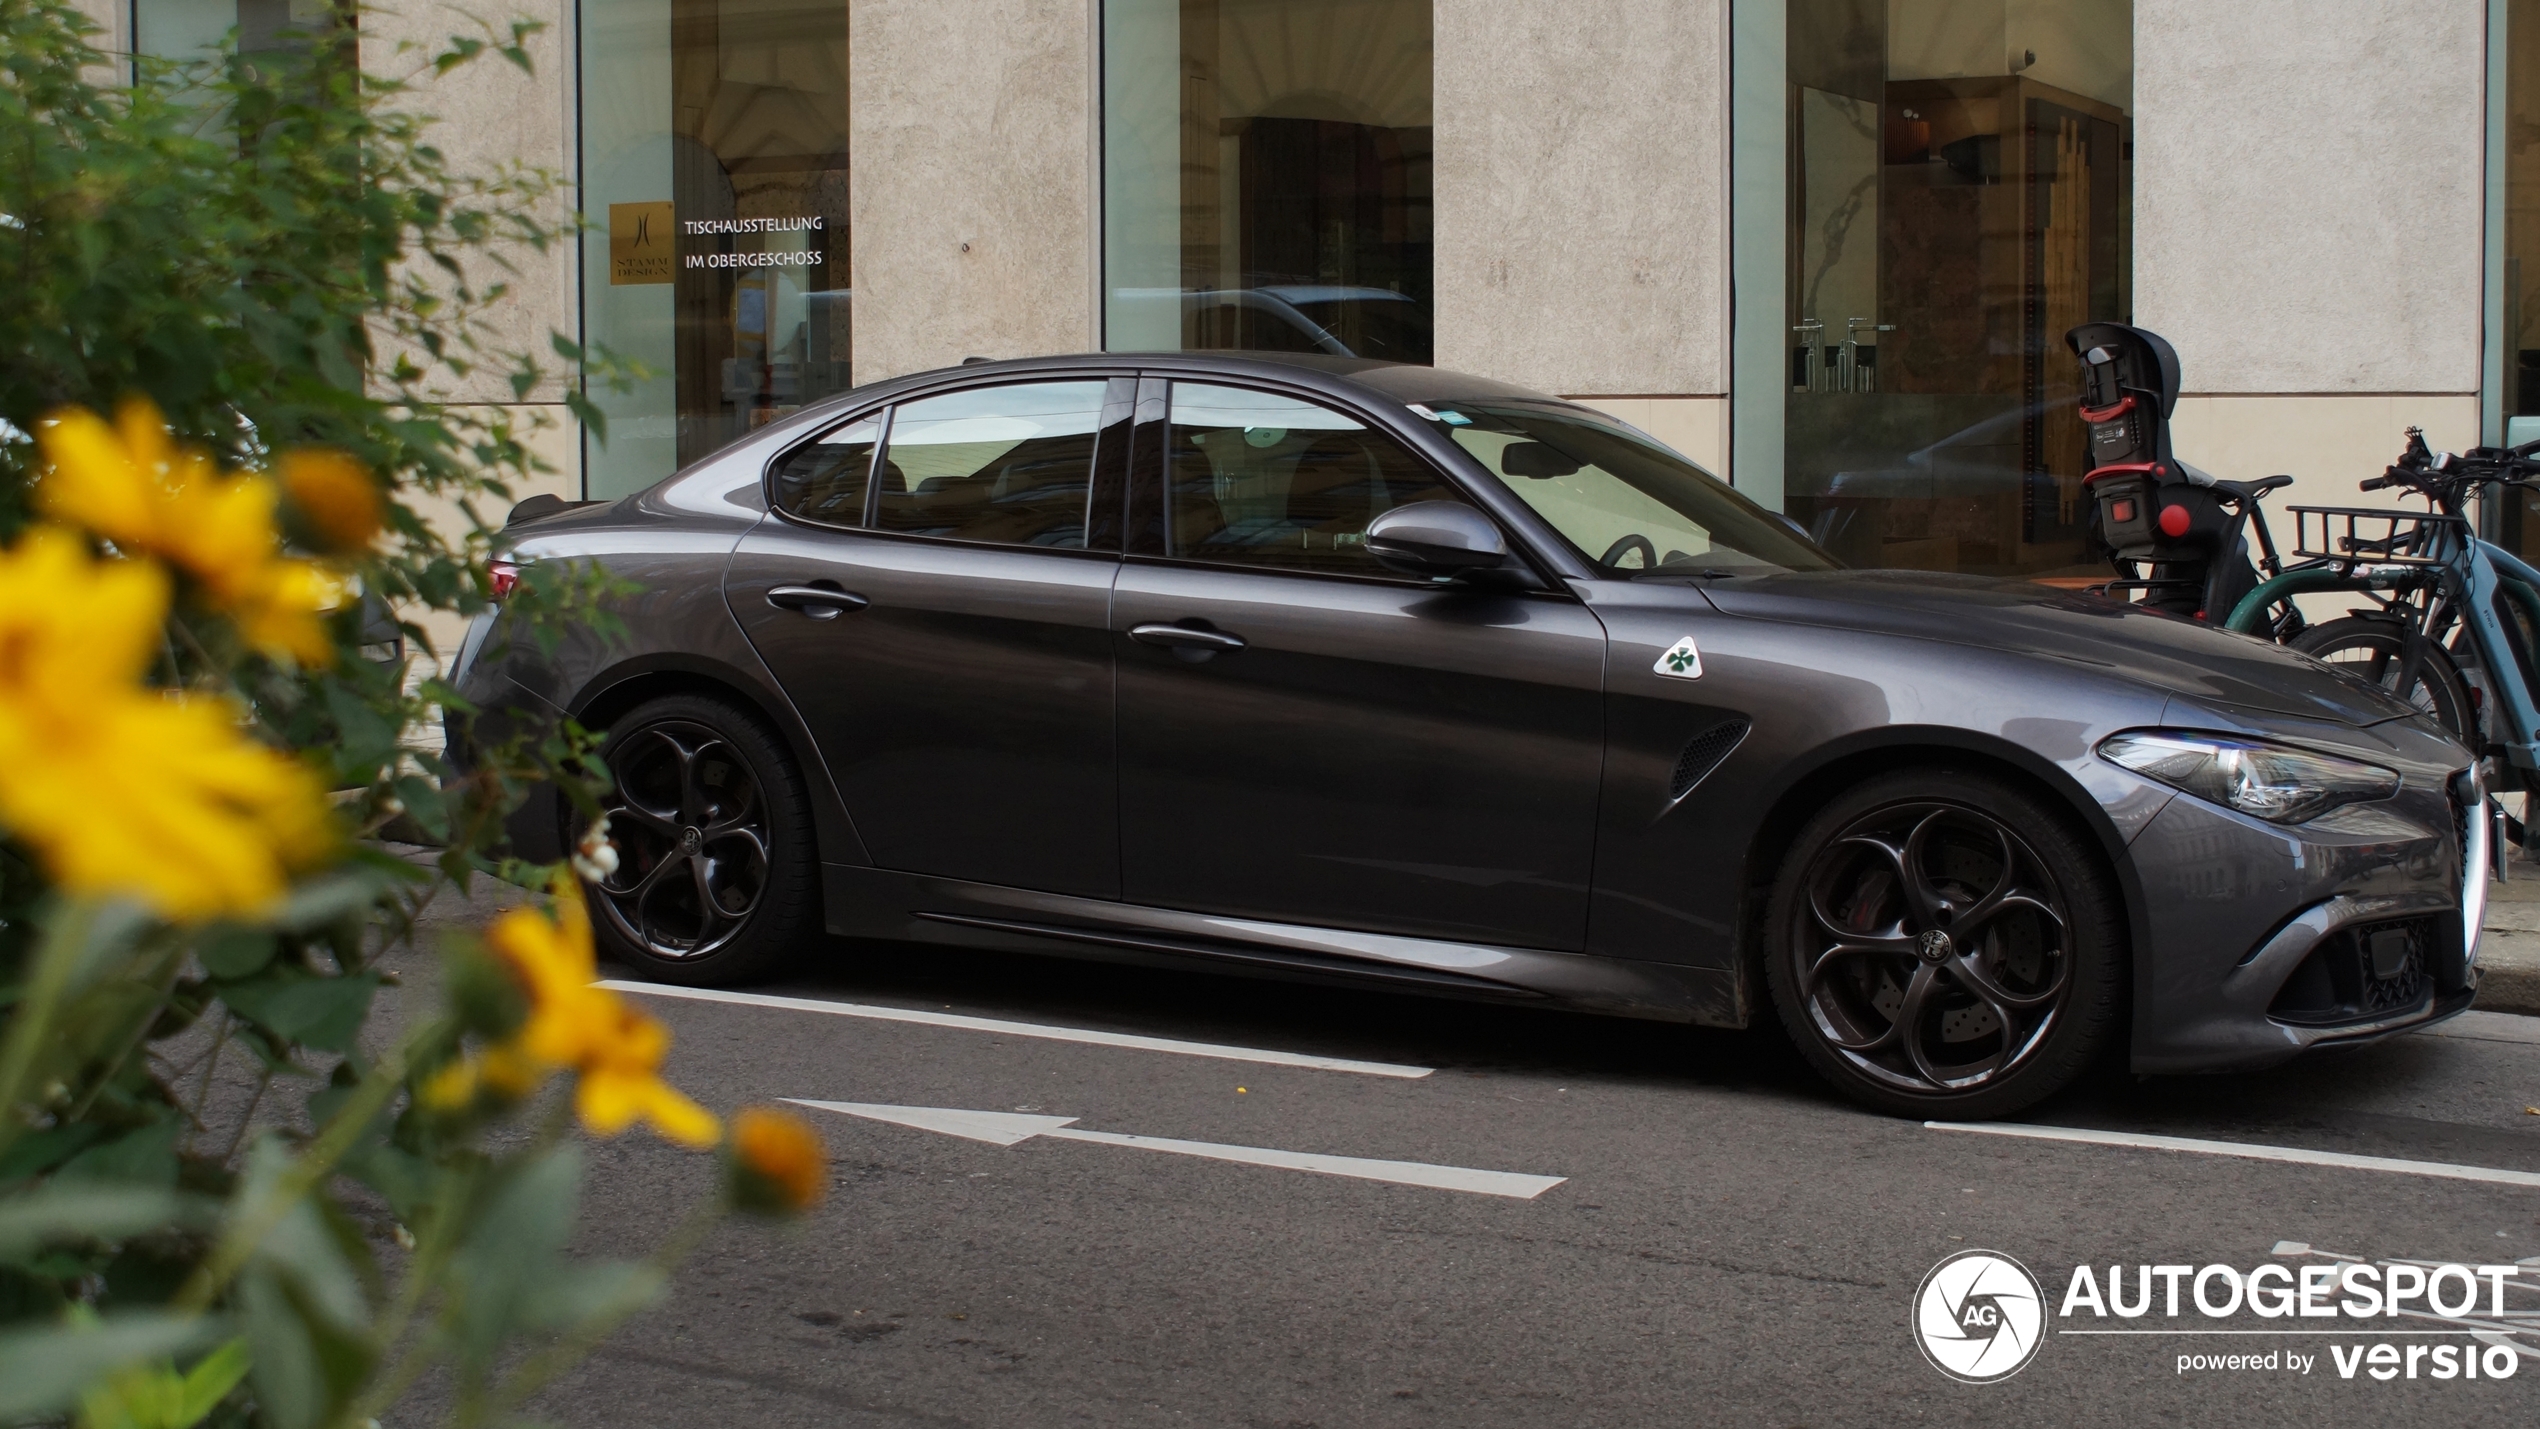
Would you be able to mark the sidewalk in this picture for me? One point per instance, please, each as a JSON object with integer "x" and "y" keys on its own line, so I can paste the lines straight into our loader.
{"x": 2509, "y": 950}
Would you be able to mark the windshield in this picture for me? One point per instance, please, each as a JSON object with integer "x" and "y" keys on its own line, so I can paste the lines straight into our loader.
{"x": 1627, "y": 503}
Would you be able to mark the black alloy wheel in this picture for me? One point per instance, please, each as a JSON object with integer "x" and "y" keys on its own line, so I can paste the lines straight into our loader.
{"x": 715, "y": 877}
{"x": 1944, "y": 945}
{"x": 2374, "y": 650}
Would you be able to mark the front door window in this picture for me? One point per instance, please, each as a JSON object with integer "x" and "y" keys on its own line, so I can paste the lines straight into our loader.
{"x": 1262, "y": 479}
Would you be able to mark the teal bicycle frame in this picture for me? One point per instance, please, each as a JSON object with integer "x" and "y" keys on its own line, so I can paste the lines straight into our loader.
{"x": 2482, "y": 574}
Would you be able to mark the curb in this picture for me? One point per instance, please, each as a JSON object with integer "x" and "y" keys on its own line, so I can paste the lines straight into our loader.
{"x": 2509, "y": 987}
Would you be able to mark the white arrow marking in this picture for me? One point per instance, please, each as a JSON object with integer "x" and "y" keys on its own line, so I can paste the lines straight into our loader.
{"x": 1007, "y": 1128}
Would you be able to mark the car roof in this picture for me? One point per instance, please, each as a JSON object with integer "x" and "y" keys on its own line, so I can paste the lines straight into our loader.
{"x": 1359, "y": 377}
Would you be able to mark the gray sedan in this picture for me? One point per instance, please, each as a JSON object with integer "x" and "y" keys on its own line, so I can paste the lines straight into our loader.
{"x": 1327, "y": 669}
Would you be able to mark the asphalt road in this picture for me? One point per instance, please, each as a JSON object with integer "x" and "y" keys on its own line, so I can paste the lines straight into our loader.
{"x": 1730, "y": 1244}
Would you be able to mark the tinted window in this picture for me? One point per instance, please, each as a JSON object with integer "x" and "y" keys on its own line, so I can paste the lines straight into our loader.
{"x": 1013, "y": 465}
{"x": 1266, "y": 480}
{"x": 824, "y": 479}
{"x": 1624, "y": 501}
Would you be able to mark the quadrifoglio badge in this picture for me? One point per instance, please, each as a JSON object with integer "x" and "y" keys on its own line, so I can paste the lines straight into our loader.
{"x": 1979, "y": 1316}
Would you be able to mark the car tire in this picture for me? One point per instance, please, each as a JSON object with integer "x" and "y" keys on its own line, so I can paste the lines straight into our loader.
{"x": 2369, "y": 650}
{"x": 2019, "y": 992}
{"x": 717, "y": 877}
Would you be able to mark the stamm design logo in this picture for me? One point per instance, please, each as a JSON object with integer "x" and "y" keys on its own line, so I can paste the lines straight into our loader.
{"x": 1979, "y": 1316}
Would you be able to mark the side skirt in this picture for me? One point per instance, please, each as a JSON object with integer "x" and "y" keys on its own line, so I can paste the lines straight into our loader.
{"x": 877, "y": 903}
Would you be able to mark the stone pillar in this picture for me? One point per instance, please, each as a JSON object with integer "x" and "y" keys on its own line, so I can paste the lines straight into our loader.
{"x": 2309, "y": 211}
{"x": 1582, "y": 205}
{"x": 974, "y": 189}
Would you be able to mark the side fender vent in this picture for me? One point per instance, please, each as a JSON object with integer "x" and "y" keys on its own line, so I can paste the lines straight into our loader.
{"x": 1703, "y": 754}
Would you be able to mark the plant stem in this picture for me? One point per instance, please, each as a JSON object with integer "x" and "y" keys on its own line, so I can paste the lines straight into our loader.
{"x": 248, "y": 1229}
{"x": 64, "y": 941}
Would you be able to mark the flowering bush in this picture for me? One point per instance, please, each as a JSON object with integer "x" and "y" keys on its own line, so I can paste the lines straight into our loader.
{"x": 232, "y": 290}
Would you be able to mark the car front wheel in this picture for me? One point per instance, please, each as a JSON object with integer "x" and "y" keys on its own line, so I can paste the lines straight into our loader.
{"x": 1942, "y": 944}
{"x": 717, "y": 878}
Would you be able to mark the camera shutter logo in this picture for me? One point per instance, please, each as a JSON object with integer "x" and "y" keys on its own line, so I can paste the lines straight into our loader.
{"x": 1979, "y": 1316}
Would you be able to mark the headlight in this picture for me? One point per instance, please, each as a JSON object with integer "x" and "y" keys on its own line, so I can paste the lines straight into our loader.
{"x": 2266, "y": 781}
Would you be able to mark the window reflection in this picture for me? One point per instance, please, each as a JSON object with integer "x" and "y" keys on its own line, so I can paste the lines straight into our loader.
{"x": 1013, "y": 465}
{"x": 714, "y": 144}
{"x": 1266, "y": 176}
{"x": 1959, "y": 182}
{"x": 1265, "y": 480}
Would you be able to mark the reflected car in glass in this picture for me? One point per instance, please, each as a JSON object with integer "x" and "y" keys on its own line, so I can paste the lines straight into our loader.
{"x": 1390, "y": 677}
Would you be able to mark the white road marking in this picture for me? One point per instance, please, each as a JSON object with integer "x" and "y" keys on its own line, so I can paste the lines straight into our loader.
{"x": 1008, "y": 1128}
{"x": 2295, "y": 1154}
{"x": 1020, "y": 1029}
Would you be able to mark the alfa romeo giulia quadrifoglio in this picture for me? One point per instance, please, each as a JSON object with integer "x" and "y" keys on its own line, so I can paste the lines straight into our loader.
{"x": 1328, "y": 669}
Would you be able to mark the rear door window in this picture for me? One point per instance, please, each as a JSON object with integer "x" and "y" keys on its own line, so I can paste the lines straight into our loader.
{"x": 823, "y": 480}
{"x": 1012, "y": 465}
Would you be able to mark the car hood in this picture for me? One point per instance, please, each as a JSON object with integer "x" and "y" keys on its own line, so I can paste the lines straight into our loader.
{"x": 2175, "y": 656}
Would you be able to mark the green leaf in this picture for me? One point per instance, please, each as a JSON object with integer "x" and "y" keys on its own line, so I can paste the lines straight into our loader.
{"x": 108, "y": 1213}
{"x": 332, "y": 897}
{"x": 600, "y": 1292}
{"x": 209, "y": 1382}
{"x": 512, "y": 1248}
{"x": 301, "y": 1246}
{"x": 234, "y": 952}
{"x": 304, "y": 1007}
{"x": 367, "y": 741}
{"x": 42, "y": 1371}
{"x": 43, "y": 1149}
{"x": 146, "y": 1156}
{"x": 289, "y": 1379}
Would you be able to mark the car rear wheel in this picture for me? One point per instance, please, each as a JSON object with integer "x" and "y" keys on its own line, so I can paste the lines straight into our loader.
{"x": 717, "y": 876}
{"x": 1942, "y": 944}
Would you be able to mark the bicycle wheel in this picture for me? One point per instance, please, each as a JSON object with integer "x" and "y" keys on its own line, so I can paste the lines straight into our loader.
{"x": 2370, "y": 649}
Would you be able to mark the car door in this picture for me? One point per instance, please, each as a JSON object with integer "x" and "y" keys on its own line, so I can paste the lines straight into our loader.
{"x": 932, "y": 589}
{"x": 1307, "y": 738}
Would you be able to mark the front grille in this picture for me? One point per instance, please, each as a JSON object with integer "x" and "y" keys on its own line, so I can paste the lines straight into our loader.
{"x": 2362, "y": 973}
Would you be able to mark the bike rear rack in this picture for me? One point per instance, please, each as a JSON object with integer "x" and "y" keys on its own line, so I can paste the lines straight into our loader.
{"x": 2359, "y": 535}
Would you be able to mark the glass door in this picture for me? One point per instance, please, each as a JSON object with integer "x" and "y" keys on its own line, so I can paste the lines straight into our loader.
{"x": 1957, "y": 180}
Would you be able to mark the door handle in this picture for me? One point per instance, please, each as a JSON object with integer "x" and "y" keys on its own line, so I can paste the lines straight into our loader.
{"x": 818, "y": 602}
{"x": 1186, "y": 642}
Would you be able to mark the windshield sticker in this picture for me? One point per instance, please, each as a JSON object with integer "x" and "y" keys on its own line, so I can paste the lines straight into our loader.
{"x": 1681, "y": 662}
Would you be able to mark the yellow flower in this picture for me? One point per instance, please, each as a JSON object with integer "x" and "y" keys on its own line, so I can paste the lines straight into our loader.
{"x": 132, "y": 484}
{"x": 121, "y": 790}
{"x": 616, "y": 1051}
{"x": 335, "y": 493}
{"x": 778, "y": 1160}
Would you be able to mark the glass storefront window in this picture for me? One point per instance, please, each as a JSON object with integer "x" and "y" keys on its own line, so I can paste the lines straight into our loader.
{"x": 185, "y": 30}
{"x": 1266, "y": 173}
{"x": 714, "y": 164}
{"x": 2520, "y": 523}
{"x": 1958, "y": 199}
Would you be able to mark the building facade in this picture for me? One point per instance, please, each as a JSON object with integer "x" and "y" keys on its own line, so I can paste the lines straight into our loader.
{"x": 1827, "y": 248}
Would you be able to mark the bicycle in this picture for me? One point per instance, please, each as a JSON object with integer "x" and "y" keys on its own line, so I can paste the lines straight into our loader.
{"x": 2453, "y": 619}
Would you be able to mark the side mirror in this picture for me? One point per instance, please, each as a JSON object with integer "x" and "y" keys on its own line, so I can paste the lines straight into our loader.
{"x": 1435, "y": 539}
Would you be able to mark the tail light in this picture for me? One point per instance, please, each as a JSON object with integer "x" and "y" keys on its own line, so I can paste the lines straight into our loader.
{"x": 501, "y": 578}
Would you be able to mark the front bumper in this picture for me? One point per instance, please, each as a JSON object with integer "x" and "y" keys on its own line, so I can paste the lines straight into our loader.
{"x": 2264, "y": 942}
